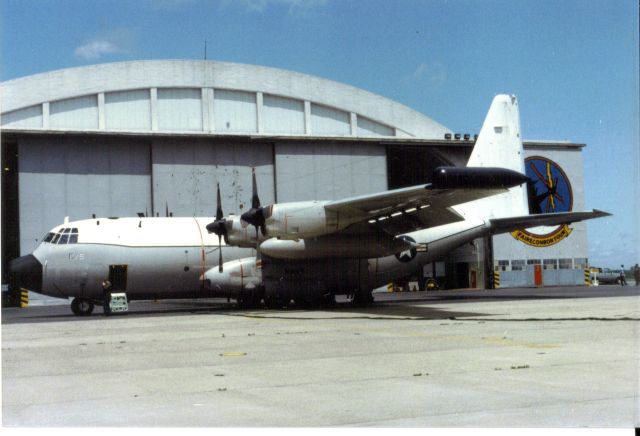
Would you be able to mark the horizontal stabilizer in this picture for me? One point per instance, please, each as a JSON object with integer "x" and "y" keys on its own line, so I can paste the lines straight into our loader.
{"x": 509, "y": 224}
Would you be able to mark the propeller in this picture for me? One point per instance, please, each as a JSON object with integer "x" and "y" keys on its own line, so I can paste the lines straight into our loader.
{"x": 219, "y": 227}
{"x": 256, "y": 215}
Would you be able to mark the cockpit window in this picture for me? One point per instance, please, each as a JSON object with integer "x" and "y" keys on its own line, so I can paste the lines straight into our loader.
{"x": 66, "y": 235}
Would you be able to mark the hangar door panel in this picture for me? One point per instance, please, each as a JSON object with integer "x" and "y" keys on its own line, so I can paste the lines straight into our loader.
{"x": 329, "y": 171}
{"x": 185, "y": 173}
{"x": 75, "y": 177}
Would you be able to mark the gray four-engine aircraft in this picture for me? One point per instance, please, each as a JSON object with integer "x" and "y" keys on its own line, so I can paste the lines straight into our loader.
{"x": 306, "y": 251}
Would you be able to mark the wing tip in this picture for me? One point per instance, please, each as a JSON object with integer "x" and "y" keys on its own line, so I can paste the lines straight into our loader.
{"x": 600, "y": 213}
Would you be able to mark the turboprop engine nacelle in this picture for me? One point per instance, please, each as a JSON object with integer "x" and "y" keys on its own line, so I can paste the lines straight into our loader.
{"x": 238, "y": 234}
{"x": 237, "y": 275}
{"x": 304, "y": 219}
{"x": 288, "y": 221}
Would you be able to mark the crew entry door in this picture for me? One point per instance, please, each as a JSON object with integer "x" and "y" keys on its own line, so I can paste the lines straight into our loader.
{"x": 118, "y": 277}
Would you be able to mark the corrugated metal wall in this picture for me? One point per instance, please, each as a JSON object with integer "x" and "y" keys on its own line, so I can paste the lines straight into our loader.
{"x": 77, "y": 176}
{"x": 66, "y": 176}
{"x": 329, "y": 171}
{"x": 185, "y": 174}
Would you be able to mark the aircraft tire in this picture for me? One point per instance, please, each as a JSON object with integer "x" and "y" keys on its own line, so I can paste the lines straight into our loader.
{"x": 82, "y": 306}
{"x": 249, "y": 302}
{"x": 328, "y": 301}
{"x": 362, "y": 298}
{"x": 275, "y": 303}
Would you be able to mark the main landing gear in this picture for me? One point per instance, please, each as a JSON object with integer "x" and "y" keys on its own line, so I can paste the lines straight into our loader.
{"x": 362, "y": 297}
{"x": 82, "y": 306}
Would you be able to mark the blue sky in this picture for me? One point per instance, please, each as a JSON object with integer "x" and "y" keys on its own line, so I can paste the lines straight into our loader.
{"x": 572, "y": 64}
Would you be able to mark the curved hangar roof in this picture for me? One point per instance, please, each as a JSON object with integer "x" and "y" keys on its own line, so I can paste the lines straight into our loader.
{"x": 203, "y": 97}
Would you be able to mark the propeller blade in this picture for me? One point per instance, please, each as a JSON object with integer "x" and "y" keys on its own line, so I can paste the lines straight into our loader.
{"x": 256, "y": 215}
{"x": 219, "y": 253}
{"x": 255, "y": 200}
{"x": 220, "y": 226}
{"x": 219, "y": 214}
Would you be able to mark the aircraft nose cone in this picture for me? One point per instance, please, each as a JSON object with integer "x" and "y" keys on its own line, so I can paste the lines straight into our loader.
{"x": 27, "y": 272}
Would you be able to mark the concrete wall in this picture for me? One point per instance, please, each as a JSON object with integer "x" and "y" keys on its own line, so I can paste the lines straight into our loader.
{"x": 191, "y": 96}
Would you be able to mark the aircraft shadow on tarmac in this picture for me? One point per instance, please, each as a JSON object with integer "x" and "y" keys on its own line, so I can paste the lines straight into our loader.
{"x": 382, "y": 311}
{"x": 378, "y": 310}
{"x": 387, "y": 306}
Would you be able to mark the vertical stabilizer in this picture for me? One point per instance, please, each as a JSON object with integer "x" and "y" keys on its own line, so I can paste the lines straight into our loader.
{"x": 499, "y": 144}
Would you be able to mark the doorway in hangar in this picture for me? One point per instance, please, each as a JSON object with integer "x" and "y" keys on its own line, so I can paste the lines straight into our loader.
{"x": 413, "y": 164}
{"x": 408, "y": 165}
{"x": 10, "y": 219}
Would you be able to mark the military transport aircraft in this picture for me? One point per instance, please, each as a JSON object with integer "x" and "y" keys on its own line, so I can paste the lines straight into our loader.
{"x": 303, "y": 251}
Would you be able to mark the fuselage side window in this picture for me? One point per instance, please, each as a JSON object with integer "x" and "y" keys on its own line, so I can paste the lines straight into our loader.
{"x": 73, "y": 238}
{"x": 63, "y": 239}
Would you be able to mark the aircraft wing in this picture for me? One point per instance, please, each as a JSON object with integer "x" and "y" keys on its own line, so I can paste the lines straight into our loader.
{"x": 416, "y": 207}
{"x": 502, "y": 225}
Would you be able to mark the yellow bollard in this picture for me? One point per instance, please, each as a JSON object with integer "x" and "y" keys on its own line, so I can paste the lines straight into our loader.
{"x": 24, "y": 298}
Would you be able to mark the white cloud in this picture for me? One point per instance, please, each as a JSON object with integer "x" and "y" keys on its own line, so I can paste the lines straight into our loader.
{"x": 95, "y": 49}
{"x": 117, "y": 41}
{"x": 293, "y": 5}
{"x": 434, "y": 72}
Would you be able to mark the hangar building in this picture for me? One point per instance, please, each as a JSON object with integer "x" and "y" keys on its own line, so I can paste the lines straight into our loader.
{"x": 154, "y": 137}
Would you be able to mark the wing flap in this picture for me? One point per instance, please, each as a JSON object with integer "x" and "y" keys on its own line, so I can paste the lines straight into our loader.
{"x": 408, "y": 209}
{"x": 399, "y": 200}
